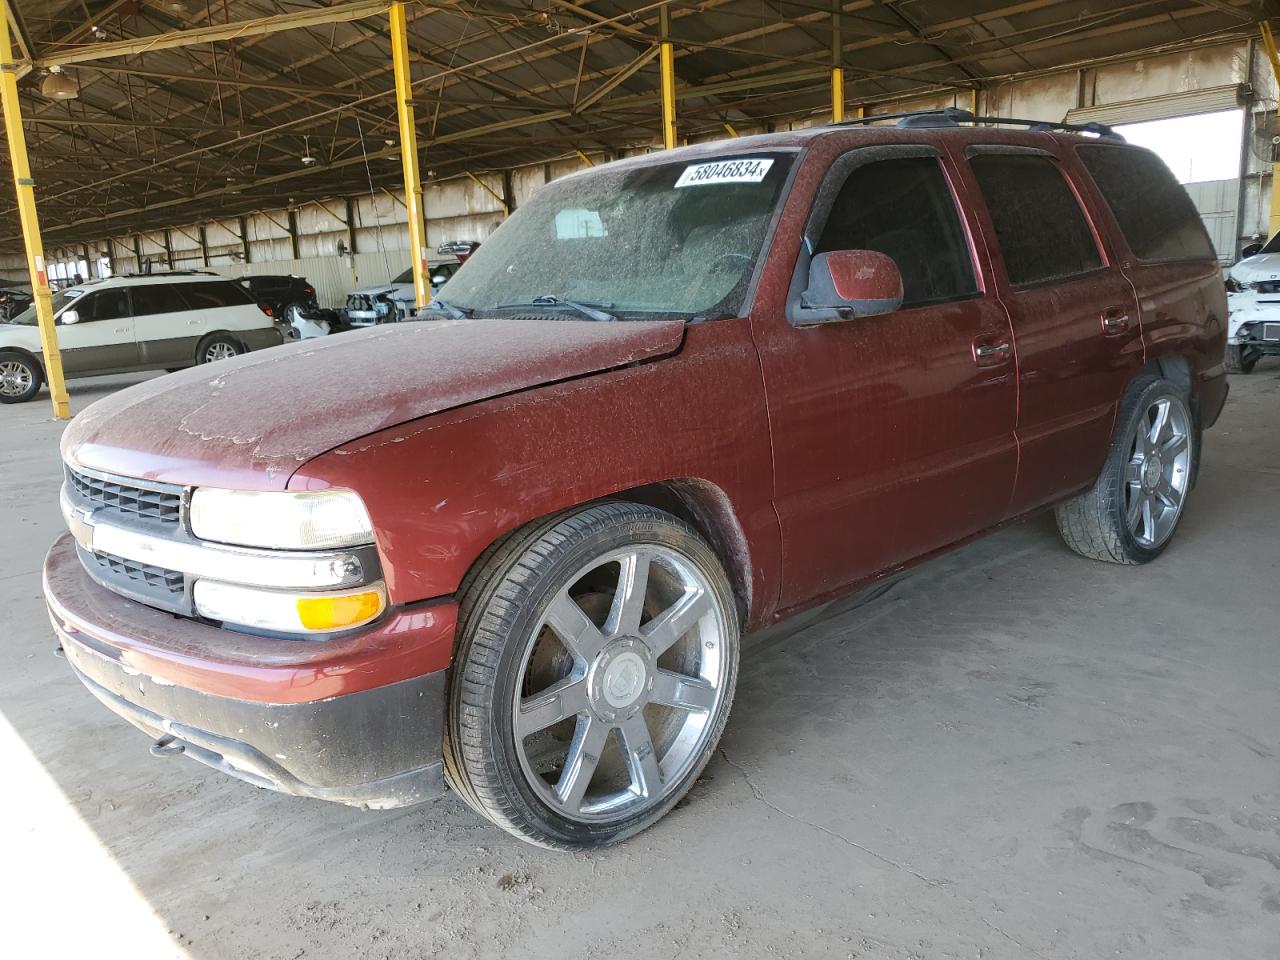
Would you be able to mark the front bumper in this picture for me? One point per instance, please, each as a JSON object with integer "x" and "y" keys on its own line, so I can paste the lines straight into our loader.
{"x": 1253, "y": 320}
{"x": 357, "y": 719}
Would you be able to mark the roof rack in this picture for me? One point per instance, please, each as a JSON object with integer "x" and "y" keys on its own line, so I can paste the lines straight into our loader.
{"x": 954, "y": 116}
{"x": 171, "y": 273}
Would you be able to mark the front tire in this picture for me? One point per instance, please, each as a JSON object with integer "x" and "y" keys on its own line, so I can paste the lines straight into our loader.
{"x": 20, "y": 378}
{"x": 1132, "y": 511}
{"x": 596, "y": 664}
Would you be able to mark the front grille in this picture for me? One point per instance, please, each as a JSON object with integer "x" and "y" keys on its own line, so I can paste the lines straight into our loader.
{"x": 1268, "y": 286}
{"x": 128, "y": 500}
{"x": 1271, "y": 331}
{"x": 141, "y": 575}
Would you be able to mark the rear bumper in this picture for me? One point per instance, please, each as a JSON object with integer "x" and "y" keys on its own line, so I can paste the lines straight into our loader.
{"x": 260, "y": 339}
{"x": 330, "y": 719}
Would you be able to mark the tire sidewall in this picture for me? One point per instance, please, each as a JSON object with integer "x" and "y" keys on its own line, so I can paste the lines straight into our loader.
{"x": 498, "y": 705}
{"x": 1133, "y": 411}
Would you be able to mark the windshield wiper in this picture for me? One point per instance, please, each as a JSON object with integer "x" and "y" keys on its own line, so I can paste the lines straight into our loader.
{"x": 448, "y": 309}
{"x": 551, "y": 299}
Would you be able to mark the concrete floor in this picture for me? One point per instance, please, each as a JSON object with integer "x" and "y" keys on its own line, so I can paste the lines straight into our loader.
{"x": 1016, "y": 753}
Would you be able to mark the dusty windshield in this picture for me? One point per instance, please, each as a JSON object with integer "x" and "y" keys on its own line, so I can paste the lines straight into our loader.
{"x": 673, "y": 239}
{"x": 60, "y": 299}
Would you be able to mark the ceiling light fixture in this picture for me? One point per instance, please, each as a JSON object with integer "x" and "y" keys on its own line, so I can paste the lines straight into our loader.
{"x": 307, "y": 159}
{"x": 58, "y": 86}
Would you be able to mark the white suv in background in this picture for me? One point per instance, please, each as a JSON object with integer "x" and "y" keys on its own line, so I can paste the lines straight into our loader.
{"x": 162, "y": 321}
{"x": 1253, "y": 308}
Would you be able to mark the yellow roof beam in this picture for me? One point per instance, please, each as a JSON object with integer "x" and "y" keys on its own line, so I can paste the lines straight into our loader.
{"x": 336, "y": 13}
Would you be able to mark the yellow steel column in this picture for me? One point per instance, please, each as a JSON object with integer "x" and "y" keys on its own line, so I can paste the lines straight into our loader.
{"x": 837, "y": 67}
{"x": 1269, "y": 44}
{"x": 24, "y": 186}
{"x": 409, "y": 155}
{"x": 667, "y": 65}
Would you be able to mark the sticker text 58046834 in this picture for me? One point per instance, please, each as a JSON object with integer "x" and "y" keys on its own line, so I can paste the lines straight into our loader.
{"x": 748, "y": 170}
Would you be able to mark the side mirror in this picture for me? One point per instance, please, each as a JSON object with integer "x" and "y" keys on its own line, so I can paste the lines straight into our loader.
{"x": 67, "y": 317}
{"x": 855, "y": 283}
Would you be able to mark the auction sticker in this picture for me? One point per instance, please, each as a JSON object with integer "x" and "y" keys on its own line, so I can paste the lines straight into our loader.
{"x": 751, "y": 170}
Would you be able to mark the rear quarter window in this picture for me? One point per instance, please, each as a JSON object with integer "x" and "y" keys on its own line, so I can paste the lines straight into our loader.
{"x": 211, "y": 296}
{"x": 1156, "y": 216}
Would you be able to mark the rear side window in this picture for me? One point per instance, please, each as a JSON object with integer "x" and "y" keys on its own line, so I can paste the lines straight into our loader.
{"x": 210, "y": 296}
{"x": 1156, "y": 216}
{"x": 153, "y": 298}
{"x": 1039, "y": 224}
{"x": 904, "y": 209}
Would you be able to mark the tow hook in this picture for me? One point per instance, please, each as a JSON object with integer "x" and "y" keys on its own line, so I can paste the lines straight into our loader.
{"x": 167, "y": 746}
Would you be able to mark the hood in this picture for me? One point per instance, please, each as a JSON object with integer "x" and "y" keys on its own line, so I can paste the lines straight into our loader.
{"x": 250, "y": 422}
{"x": 397, "y": 288}
{"x": 1261, "y": 266}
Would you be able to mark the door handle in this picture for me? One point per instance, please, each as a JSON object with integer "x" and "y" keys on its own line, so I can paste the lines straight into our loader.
{"x": 122, "y": 329}
{"x": 986, "y": 354}
{"x": 1115, "y": 321}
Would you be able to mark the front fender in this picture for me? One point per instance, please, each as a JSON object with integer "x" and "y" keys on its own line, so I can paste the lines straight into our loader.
{"x": 442, "y": 488}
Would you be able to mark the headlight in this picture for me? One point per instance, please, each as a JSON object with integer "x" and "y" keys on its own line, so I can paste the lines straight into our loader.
{"x": 285, "y": 521}
{"x": 289, "y": 612}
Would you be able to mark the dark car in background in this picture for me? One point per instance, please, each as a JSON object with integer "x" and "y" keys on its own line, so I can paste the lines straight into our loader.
{"x": 280, "y": 291}
{"x": 292, "y": 302}
{"x": 12, "y": 303}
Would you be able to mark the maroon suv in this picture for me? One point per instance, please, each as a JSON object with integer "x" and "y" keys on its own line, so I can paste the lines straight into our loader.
{"x": 672, "y": 399}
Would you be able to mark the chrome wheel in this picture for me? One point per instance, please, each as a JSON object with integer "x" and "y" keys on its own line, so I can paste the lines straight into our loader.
{"x": 15, "y": 378}
{"x": 220, "y": 350}
{"x": 1158, "y": 471}
{"x": 619, "y": 683}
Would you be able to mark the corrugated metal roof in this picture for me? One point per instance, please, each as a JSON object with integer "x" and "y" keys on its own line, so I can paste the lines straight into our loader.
{"x": 179, "y": 134}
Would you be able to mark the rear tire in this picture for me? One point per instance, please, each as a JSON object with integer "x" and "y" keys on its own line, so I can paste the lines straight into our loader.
{"x": 1240, "y": 359}
{"x": 551, "y": 607}
{"x": 1132, "y": 511}
{"x": 220, "y": 346}
{"x": 20, "y": 378}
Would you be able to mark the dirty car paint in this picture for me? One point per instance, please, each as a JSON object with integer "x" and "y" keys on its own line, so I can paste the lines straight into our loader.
{"x": 250, "y": 422}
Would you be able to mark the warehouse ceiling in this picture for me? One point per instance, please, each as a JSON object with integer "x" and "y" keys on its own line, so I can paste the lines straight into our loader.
{"x": 178, "y": 134}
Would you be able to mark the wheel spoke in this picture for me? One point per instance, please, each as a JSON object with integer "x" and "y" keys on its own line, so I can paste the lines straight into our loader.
{"x": 682, "y": 692}
{"x": 628, "y": 600}
{"x": 1133, "y": 470}
{"x": 646, "y": 774}
{"x": 1134, "y": 515}
{"x": 1173, "y": 447}
{"x": 1148, "y": 519}
{"x": 666, "y": 628}
{"x": 558, "y": 702}
{"x": 1168, "y": 493}
{"x": 580, "y": 764}
{"x": 573, "y": 627}
{"x": 1163, "y": 518}
{"x": 1159, "y": 422}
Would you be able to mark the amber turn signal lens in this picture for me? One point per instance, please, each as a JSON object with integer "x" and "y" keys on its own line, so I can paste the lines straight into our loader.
{"x": 340, "y": 611}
